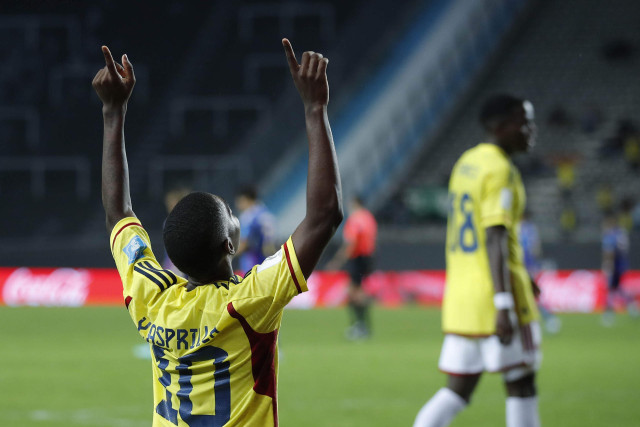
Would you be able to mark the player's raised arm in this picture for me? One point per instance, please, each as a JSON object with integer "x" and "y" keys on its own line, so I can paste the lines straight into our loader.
{"x": 114, "y": 84}
{"x": 324, "y": 191}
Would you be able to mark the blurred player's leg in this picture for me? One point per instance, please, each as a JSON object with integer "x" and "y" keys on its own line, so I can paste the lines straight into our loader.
{"x": 359, "y": 268}
{"x": 522, "y": 412}
{"x": 520, "y": 384}
{"x": 359, "y": 309}
{"x": 461, "y": 358}
{"x": 441, "y": 409}
{"x": 608, "y": 317}
{"x": 616, "y": 293}
{"x": 522, "y": 401}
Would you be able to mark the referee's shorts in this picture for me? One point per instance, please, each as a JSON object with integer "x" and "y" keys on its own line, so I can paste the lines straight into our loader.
{"x": 359, "y": 268}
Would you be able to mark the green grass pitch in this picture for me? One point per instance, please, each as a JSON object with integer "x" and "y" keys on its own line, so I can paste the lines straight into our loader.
{"x": 76, "y": 367}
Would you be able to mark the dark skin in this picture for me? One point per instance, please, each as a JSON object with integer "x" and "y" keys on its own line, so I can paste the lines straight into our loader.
{"x": 514, "y": 134}
{"x": 324, "y": 190}
{"x": 224, "y": 268}
{"x": 114, "y": 84}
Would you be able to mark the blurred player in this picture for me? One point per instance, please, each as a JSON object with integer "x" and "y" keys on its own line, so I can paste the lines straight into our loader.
{"x": 257, "y": 230}
{"x": 615, "y": 260}
{"x": 360, "y": 232}
{"x": 532, "y": 251}
{"x": 213, "y": 336}
{"x": 489, "y": 312}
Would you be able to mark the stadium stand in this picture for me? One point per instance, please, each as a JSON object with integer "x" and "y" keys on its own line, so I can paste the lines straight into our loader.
{"x": 433, "y": 59}
{"x": 202, "y": 112}
{"x": 206, "y": 99}
{"x": 557, "y": 59}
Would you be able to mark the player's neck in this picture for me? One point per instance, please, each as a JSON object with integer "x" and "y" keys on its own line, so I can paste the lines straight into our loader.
{"x": 504, "y": 147}
{"x": 223, "y": 273}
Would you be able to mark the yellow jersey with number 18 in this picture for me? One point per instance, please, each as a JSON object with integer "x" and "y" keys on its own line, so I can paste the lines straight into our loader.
{"x": 485, "y": 190}
{"x": 214, "y": 348}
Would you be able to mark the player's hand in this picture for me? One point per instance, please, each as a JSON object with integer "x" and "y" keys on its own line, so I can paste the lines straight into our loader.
{"x": 504, "y": 327}
{"x": 114, "y": 83}
{"x": 310, "y": 76}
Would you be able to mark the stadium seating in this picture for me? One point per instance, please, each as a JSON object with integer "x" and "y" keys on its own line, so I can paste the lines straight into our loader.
{"x": 207, "y": 74}
{"x": 555, "y": 59}
{"x": 213, "y": 94}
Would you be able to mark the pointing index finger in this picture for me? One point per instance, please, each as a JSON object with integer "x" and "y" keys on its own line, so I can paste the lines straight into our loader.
{"x": 291, "y": 57}
{"x": 109, "y": 60}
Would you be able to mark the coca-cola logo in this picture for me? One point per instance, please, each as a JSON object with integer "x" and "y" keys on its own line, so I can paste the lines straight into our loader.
{"x": 577, "y": 291}
{"x": 60, "y": 287}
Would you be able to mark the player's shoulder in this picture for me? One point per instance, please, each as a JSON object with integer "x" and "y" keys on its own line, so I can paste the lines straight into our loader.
{"x": 481, "y": 160}
{"x": 492, "y": 156}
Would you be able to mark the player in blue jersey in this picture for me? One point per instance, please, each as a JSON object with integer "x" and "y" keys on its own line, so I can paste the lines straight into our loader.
{"x": 615, "y": 261}
{"x": 257, "y": 229}
{"x": 532, "y": 251}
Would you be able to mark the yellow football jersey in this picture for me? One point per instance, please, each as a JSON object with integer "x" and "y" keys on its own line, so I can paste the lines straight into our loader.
{"x": 485, "y": 190}
{"x": 214, "y": 349}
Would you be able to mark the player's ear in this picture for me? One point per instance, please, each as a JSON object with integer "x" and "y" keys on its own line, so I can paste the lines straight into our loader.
{"x": 228, "y": 247}
{"x": 501, "y": 127}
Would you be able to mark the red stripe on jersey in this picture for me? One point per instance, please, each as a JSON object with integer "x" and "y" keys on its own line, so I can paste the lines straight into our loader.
{"x": 263, "y": 350}
{"x": 120, "y": 231}
{"x": 127, "y": 301}
{"x": 293, "y": 273}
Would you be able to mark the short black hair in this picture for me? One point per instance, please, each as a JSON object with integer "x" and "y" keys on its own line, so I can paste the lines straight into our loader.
{"x": 248, "y": 191}
{"x": 498, "y": 108}
{"x": 194, "y": 234}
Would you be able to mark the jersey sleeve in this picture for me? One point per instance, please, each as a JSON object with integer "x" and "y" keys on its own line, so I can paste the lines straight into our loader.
{"x": 143, "y": 279}
{"x": 267, "y": 288}
{"x": 497, "y": 198}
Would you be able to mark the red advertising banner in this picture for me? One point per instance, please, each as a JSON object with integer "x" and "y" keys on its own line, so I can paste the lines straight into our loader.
{"x": 573, "y": 291}
{"x": 565, "y": 291}
{"x": 71, "y": 287}
{"x": 388, "y": 288}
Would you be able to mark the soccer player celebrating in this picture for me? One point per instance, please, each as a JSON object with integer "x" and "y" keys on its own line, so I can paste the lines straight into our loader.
{"x": 489, "y": 313}
{"x": 213, "y": 336}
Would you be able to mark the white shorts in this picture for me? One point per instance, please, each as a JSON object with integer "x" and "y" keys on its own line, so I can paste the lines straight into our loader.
{"x": 462, "y": 355}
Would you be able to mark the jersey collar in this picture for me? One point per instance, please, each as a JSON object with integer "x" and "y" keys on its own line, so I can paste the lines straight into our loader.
{"x": 496, "y": 148}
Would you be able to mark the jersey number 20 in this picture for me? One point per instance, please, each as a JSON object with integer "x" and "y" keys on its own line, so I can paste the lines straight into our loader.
{"x": 221, "y": 388}
{"x": 461, "y": 235}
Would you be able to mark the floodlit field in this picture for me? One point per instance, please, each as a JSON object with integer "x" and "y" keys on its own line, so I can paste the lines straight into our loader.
{"x": 76, "y": 367}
